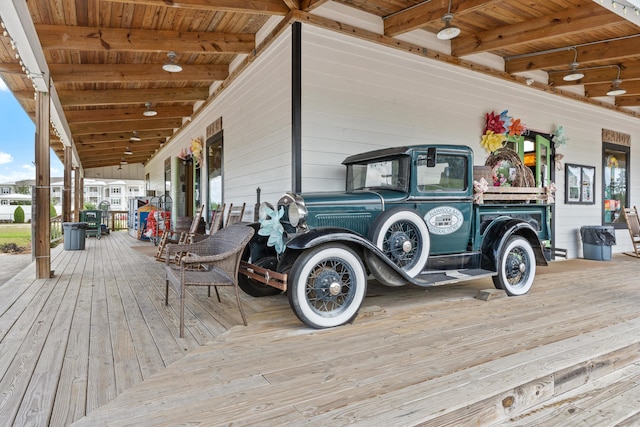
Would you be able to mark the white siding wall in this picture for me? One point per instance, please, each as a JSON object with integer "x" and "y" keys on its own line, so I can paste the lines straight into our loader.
{"x": 256, "y": 121}
{"x": 358, "y": 96}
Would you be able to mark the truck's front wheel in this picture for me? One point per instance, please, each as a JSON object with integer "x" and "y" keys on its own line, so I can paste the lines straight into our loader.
{"x": 327, "y": 285}
{"x": 516, "y": 267}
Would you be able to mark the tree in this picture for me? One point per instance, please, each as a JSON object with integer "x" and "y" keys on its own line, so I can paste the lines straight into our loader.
{"x": 52, "y": 210}
{"x": 88, "y": 206}
{"x": 18, "y": 215}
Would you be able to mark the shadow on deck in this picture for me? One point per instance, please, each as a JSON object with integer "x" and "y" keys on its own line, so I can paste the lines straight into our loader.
{"x": 96, "y": 346}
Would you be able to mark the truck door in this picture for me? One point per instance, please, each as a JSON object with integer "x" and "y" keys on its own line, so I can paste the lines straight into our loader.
{"x": 443, "y": 198}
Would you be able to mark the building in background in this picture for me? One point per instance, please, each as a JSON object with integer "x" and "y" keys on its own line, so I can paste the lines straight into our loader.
{"x": 116, "y": 192}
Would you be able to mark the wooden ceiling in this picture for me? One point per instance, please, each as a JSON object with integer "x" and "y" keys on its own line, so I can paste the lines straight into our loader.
{"x": 105, "y": 56}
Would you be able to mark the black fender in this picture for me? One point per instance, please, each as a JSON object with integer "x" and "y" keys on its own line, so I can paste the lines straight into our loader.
{"x": 322, "y": 235}
{"x": 257, "y": 247}
{"x": 499, "y": 231}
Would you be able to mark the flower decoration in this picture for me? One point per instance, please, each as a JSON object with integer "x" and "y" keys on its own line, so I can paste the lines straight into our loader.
{"x": 492, "y": 141}
{"x": 270, "y": 226}
{"x": 498, "y": 128}
{"x": 193, "y": 151}
{"x": 559, "y": 137}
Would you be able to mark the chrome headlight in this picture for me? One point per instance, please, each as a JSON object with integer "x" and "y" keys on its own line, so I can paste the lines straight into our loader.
{"x": 295, "y": 208}
{"x": 297, "y": 214}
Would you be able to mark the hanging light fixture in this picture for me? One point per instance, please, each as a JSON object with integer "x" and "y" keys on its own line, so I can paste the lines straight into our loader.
{"x": 128, "y": 152}
{"x": 119, "y": 167}
{"x": 171, "y": 65}
{"x": 449, "y": 31}
{"x": 574, "y": 74}
{"x": 135, "y": 137}
{"x": 149, "y": 112}
{"x": 615, "y": 88}
{"x": 123, "y": 161}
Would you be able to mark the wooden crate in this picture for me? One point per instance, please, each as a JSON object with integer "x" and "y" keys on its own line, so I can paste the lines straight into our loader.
{"x": 514, "y": 194}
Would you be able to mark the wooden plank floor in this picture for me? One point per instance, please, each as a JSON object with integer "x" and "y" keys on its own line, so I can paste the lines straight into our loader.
{"x": 95, "y": 345}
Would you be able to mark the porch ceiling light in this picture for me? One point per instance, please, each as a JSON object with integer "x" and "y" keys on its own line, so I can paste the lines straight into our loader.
{"x": 575, "y": 74}
{"x": 149, "y": 112}
{"x": 135, "y": 137}
{"x": 171, "y": 65}
{"x": 449, "y": 31}
{"x": 615, "y": 88}
{"x": 123, "y": 161}
{"x": 128, "y": 152}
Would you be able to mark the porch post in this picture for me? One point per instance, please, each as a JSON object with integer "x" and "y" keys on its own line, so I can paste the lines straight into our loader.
{"x": 79, "y": 192}
{"x": 296, "y": 107}
{"x": 66, "y": 191}
{"x": 42, "y": 238}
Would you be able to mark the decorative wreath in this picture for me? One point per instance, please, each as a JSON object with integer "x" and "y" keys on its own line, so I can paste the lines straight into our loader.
{"x": 523, "y": 177}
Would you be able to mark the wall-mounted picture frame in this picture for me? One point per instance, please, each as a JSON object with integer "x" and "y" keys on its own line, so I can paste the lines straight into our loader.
{"x": 579, "y": 182}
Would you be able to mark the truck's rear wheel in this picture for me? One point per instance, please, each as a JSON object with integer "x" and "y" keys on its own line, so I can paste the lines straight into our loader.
{"x": 516, "y": 267}
{"x": 403, "y": 236}
{"x": 327, "y": 285}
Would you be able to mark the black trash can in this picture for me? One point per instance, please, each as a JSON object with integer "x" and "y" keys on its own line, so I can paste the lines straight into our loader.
{"x": 75, "y": 234}
{"x": 597, "y": 241}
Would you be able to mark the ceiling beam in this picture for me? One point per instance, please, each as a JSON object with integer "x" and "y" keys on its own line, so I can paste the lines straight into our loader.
{"x": 423, "y": 14}
{"x": 600, "y": 89}
{"x": 567, "y": 23}
{"x": 79, "y": 98}
{"x": 154, "y": 135}
{"x": 127, "y": 73}
{"x": 132, "y": 40}
{"x": 121, "y": 114}
{"x": 628, "y": 101}
{"x": 11, "y": 68}
{"x": 263, "y": 7}
{"x": 598, "y": 75}
{"x": 617, "y": 50}
{"x": 131, "y": 125}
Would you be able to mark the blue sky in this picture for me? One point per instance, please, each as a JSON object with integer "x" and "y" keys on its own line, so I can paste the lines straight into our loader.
{"x": 17, "y": 142}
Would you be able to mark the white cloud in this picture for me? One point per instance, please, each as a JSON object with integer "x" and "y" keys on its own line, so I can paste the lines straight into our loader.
{"x": 3, "y": 86}
{"x": 5, "y": 158}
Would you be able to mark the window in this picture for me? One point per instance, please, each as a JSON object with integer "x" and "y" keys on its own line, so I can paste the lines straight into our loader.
{"x": 115, "y": 190}
{"x": 382, "y": 174}
{"x": 6, "y": 190}
{"x": 4, "y": 202}
{"x": 615, "y": 176}
{"x": 448, "y": 174}
{"x": 115, "y": 202}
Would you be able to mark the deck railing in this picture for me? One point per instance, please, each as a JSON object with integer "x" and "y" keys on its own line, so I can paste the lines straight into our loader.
{"x": 118, "y": 220}
{"x": 56, "y": 228}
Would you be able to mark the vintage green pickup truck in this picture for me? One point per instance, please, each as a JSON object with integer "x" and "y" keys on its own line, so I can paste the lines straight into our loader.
{"x": 407, "y": 216}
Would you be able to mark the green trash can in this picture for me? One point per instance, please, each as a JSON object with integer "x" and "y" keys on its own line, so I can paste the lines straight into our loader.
{"x": 74, "y": 235}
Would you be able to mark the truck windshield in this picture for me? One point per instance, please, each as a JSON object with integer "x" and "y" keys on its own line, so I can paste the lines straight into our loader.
{"x": 389, "y": 174}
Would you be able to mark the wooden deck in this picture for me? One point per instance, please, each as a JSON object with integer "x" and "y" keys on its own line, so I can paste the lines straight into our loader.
{"x": 95, "y": 345}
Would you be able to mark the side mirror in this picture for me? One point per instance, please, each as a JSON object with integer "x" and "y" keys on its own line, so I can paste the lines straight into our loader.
{"x": 431, "y": 157}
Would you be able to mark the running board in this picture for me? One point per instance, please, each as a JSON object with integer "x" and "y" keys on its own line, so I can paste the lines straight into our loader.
{"x": 452, "y": 276}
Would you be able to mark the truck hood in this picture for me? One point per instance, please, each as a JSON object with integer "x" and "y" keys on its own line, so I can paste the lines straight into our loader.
{"x": 337, "y": 198}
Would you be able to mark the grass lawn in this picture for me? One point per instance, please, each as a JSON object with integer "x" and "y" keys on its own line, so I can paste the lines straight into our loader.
{"x": 20, "y": 234}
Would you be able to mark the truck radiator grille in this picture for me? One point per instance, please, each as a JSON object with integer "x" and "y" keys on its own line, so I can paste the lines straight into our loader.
{"x": 356, "y": 222}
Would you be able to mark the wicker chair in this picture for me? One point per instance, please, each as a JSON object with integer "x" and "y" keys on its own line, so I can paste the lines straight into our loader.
{"x": 633, "y": 225}
{"x": 213, "y": 261}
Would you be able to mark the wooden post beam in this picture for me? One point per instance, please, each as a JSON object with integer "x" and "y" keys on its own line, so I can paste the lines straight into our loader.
{"x": 43, "y": 185}
{"x": 66, "y": 190}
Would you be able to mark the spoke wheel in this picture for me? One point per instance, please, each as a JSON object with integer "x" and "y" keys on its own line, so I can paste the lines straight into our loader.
{"x": 327, "y": 285}
{"x": 403, "y": 236}
{"x": 516, "y": 267}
